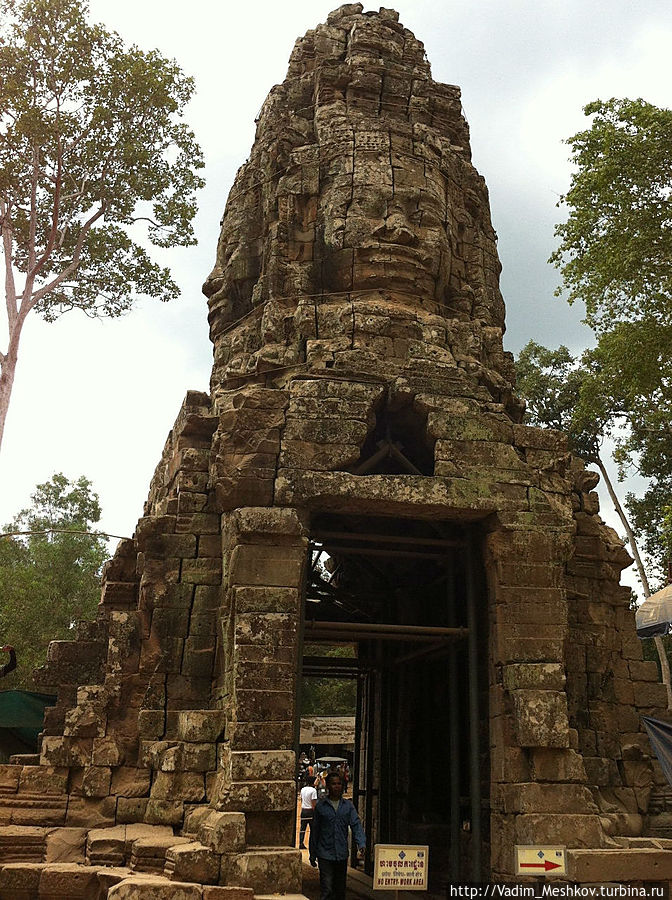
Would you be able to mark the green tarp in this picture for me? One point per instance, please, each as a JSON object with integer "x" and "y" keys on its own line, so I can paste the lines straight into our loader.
{"x": 21, "y": 718}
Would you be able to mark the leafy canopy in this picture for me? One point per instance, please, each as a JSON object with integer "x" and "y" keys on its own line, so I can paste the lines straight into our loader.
{"x": 91, "y": 142}
{"x": 561, "y": 391}
{"x": 49, "y": 579}
{"x": 615, "y": 251}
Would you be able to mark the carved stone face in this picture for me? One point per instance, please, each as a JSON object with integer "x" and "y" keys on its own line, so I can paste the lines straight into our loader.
{"x": 387, "y": 226}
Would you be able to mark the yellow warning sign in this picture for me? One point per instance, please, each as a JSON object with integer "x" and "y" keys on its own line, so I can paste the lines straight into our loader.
{"x": 398, "y": 867}
{"x": 532, "y": 860}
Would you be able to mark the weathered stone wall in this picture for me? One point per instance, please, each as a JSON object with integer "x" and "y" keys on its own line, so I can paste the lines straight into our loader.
{"x": 354, "y": 301}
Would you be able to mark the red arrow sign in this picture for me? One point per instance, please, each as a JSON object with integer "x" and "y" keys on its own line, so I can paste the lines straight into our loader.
{"x": 546, "y": 865}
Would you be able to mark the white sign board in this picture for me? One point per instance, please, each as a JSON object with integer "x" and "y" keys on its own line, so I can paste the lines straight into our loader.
{"x": 400, "y": 867}
{"x": 533, "y": 860}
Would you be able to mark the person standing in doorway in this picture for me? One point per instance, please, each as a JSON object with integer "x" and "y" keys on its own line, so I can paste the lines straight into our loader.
{"x": 308, "y": 803}
{"x": 329, "y": 838}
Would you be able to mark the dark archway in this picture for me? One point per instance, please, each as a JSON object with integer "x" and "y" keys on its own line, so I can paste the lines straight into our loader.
{"x": 409, "y": 596}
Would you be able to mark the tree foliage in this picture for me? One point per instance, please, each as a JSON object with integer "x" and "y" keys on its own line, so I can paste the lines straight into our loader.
{"x": 49, "y": 578}
{"x": 94, "y": 157}
{"x": 615, "y": 255}
{"x": 328, "y": 696}
{"x": 558, "y": 389}
{"x": 615, "y": 251}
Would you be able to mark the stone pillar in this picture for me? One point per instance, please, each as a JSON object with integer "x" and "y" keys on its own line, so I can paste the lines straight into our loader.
{"x": 265, "y": 552}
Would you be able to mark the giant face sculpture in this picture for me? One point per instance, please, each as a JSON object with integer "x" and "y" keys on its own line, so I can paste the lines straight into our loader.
{"x": 359, "y": 179}
{"x": 388, "y": 228}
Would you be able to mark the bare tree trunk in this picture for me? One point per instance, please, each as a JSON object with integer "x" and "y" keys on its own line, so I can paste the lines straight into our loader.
{"x": 7, "y": 372}
{"x": 620, "y": 512}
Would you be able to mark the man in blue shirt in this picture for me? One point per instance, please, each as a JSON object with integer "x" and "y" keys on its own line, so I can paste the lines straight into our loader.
{"x": 328, "y": 845}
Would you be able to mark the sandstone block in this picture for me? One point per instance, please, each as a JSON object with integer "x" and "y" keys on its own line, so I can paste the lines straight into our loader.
{"x": 140, "y": 887}
{"x": 262, "y": 735}
{"x": 20, "y": 881}
{"x": 43, "y": 780}
{"x": 69, "y": 881}
{"x": 188, "y": 757}
{"x": 264, "y": 521}
{"x": 546, "y": 798}
{"x": 131, "y": 809}
{"x": 9, "y": 779}
{"x": 619, "y": 865}
{"x": 650, "y": 694}
{"x": 266, "y": 599}
{"x": 129, "y": 781}
{"x": 192, "y": 862}
{"x": 540, "y": 718}
{"x": 539, "y": 676}
{"x": 148, "y": 854}
{"x": 107, "y": 846}
{"x": 256, "y": 796}
{"x": 200, "y": 725}
{"x": 198, "y": 523}
{"x": 266, "y": 872}
{"x": 269, "y": 829}
{"x": 557, "y": 765}
{"x": 22, "y": 843}
{"x": 151, "y": 723}
{"x": 223, "y": 832}
{"x": 571, "y": 830}
{"x": 274, "y": 567}
{"x": 96, "y": 781}
{"x": 66, "y": 845}
{"x": 65, "y": 751}
{"x": 202, "y": 571}
{"x": 106, "y": 751}
{"x": 265, "y": 705}
{"x": 271, "y": 765}
{"x": 90, "y": 813}
{"x": 184, "y": 786}
{"x": 164, "y": 812}
{"x": 228, "y": 893}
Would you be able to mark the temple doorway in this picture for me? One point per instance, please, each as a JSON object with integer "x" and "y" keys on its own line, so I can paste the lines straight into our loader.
{"x": 405, "y": 601}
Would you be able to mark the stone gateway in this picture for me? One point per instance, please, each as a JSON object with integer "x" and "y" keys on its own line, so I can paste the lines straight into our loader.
{"x": 359, "y": 473}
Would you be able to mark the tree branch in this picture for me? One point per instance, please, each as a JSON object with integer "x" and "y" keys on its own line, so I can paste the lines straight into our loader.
{"x": 55, "y": 210}
{"x": 10, "y": 285}
{"x": 72, "y": 266}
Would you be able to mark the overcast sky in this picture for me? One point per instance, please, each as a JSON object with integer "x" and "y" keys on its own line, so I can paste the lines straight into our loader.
{"x": 99, "y": 397}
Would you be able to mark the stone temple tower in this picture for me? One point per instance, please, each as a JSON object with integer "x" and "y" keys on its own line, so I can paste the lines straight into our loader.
{"x": 358, "y": 475}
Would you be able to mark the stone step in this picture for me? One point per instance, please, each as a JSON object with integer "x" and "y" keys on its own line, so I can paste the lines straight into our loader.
{"x": 9, "y": 778}
{"x": 24, "y": 759}
{"x": 269, "y": 870}
{"x": 25, "y": 844}
{"x": 113, "y": 846}
{"x": 156, "y": 887}
{"x": 33, "y": 809}
{"x": 149, "y": 854}
{"x": 192, "y": 862}
{"x": 619, "y": 865}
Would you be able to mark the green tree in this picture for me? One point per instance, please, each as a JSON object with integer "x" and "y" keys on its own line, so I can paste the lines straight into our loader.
{"x": 615, "y": 255}
{"x": 579, "y": 397}
{"x": 328, "y": 696}
{"x": 615, "y": 251}
{"x": 636, "y": 357}
{"x": 94, "y": 155}
{"x": 49, "y": 576}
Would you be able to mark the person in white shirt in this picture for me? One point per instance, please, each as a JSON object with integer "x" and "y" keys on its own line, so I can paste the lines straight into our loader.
{"x": 308, "y": 802}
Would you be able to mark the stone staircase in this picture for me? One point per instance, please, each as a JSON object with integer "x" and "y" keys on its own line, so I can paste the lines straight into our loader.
{"x": 48, "y": 848}
{"x": 124, "y": 861}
